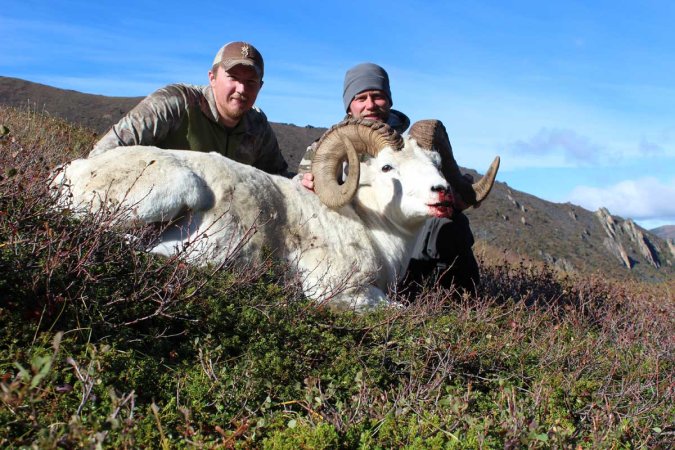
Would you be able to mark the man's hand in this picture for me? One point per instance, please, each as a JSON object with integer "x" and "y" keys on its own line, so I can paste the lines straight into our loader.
{"x": 308, "y": 181}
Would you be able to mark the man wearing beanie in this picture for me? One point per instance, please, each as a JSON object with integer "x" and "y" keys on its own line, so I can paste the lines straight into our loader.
{"x": 219, "y": 117}
{"x": 444, "y": 255}
{"x": 366, "y": 95}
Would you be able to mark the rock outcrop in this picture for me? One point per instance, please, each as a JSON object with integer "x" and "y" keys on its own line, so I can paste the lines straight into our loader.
{"x": 645, "y": 247}
{"x": 624, "y": 236}
{"x": 611, "y": 242}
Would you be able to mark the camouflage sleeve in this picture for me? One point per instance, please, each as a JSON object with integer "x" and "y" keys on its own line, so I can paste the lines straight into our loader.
{"x": 306, "y": 162}
{"x": 271, "y": 160}
{"x": 148, "y": 123}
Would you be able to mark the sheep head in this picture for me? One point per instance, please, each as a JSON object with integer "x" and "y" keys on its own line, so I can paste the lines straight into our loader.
{"x": 431, "y": 134}
{"x": 348, "y": 140}
{"x": 406, "y": 186}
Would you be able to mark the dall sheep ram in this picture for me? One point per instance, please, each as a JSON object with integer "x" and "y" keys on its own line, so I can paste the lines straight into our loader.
{"x": 348, "y": 243}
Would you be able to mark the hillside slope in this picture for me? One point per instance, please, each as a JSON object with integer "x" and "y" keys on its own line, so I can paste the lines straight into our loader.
{"x": 510, "y": 223}
{"x": 665, "y": 232}
{"x": 99, "y": 112}
{"x": 570, "y": 237}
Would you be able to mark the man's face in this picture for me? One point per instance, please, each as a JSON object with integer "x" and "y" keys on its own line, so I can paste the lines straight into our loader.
{"x": 235, "y": 91}
{"x": 373, "y": 105}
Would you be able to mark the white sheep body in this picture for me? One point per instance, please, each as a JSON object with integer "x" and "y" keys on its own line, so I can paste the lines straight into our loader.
{"x": 349, "y": 256}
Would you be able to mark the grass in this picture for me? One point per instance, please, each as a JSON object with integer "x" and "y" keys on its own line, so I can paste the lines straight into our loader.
{"x": 104, "y": 346}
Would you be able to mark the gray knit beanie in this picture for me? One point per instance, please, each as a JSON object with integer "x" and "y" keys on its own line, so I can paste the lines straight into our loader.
{"x": 363, "y": 77}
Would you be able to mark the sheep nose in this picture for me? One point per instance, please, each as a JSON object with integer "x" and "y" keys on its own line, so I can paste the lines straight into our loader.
{"x": 439, "y": 188}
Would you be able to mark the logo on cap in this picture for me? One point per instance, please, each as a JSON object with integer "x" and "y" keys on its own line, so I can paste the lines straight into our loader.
{"x": 244, "y": 51}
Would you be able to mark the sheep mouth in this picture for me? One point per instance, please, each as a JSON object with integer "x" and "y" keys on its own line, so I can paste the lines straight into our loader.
{"x": 441, "y": 209}
{"x": 443, "y": 203}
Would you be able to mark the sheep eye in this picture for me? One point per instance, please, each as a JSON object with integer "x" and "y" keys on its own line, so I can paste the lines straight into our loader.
{"x": 387, "y": 168}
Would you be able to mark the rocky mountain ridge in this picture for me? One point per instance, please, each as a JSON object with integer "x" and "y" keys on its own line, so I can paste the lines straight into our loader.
{"x": 511, "y": 223}
{"x": 570, "y": 237}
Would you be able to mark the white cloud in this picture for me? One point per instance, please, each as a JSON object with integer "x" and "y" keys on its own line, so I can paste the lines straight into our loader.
{"x": 642, "y": 199}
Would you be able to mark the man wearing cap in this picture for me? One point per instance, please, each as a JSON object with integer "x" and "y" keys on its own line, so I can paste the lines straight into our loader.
{"x": 443, "y": 253}
{"x": 219, "y": 117}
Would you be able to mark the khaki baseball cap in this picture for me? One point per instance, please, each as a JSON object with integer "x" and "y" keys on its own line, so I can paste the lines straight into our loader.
{"x": 236, "y": 53}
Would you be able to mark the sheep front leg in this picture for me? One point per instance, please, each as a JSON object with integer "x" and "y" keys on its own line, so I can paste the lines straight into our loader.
{"x": 360, "y": 299}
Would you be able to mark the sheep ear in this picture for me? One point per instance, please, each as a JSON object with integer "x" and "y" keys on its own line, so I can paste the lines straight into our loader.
{"x": 366, "y": 175}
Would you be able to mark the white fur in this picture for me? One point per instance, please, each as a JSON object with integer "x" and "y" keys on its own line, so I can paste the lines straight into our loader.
{"x": 221, "y": 208}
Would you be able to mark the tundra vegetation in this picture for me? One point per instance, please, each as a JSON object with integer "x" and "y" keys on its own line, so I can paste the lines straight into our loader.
{"x": 103, "y": 345}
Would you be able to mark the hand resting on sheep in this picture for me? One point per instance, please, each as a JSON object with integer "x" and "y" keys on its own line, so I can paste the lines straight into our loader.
{"x": 348, "y": 243}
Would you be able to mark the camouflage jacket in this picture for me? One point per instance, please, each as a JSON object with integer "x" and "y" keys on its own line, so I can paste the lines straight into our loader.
{"x": 397, "y": 120}
{"x": 185, "y": 117}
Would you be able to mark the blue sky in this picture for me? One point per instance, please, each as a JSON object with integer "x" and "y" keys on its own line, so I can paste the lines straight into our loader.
{"x": 578, "y": 98}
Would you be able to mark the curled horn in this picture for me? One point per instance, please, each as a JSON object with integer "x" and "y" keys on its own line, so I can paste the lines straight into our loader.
{"x": 431, "y": 134}
{"x": 348, "y": 140}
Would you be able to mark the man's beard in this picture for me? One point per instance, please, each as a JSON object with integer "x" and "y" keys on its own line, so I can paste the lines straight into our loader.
{"x": 237, "y": 113}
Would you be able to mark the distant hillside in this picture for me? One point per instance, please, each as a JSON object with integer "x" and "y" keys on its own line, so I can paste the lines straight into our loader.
{"x": 665, "y": 232}
{"x": 293, "y": 141}
{"x": 99, "y": 112}
{"x": 510, "y": 223}
{"x": 570, "y": 237}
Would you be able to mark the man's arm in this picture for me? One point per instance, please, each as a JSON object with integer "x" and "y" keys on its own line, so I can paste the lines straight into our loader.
{"x": 271, "y": 160}
{"x": 305, "y": 176}
{"x": 305, "y": 165}
{"x": 147, "y": 123}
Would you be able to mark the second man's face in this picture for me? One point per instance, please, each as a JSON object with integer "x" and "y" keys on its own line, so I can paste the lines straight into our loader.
{"x": 235, "y": 91}
{"x": 373, "y": 105}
